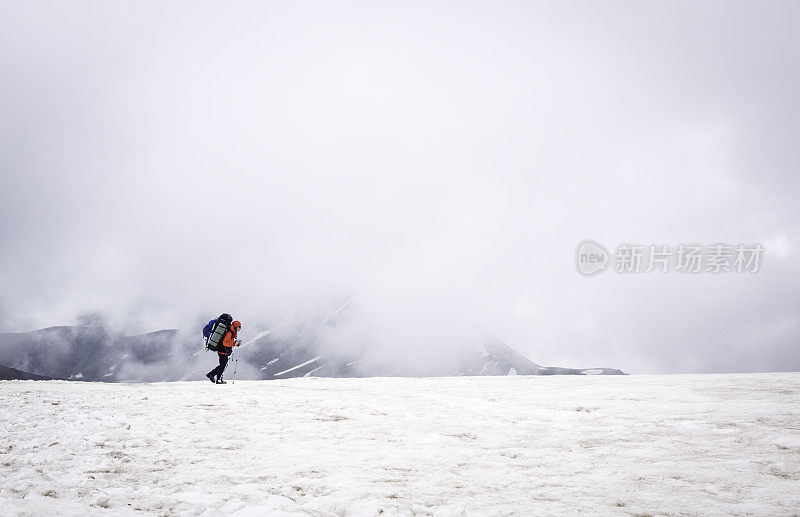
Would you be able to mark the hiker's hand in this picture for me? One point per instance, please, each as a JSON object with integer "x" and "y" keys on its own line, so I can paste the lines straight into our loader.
{"x": 238, "y": 342}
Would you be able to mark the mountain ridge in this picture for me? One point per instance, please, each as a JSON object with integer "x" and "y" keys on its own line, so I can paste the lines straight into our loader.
{"x": 91, "y": 352}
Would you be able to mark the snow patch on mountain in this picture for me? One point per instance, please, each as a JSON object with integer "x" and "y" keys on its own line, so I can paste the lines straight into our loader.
{"x": 299, "y": 366}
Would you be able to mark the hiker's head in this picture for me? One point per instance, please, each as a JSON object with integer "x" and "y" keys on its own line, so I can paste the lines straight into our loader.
{"x": 236, "y": 326}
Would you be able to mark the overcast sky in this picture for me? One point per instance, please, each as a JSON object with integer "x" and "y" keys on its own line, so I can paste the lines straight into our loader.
{"x": 435, "y": 162}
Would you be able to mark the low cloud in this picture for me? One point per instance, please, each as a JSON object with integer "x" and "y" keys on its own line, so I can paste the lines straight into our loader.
{"x": 437, "y": 175}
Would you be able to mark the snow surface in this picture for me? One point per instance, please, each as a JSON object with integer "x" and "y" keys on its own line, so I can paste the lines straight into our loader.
{"x": 683, "y": 444}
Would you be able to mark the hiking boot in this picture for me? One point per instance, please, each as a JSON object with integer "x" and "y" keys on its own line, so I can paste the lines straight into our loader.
{"x": 210, "y": 377}
{"x": 220, "y": 381}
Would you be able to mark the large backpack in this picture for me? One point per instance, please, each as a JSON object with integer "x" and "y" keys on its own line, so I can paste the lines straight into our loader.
{"x": 209, "y": 328}
{"x": 217, "y": 331}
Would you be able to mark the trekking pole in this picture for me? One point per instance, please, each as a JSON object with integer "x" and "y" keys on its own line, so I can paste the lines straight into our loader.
{"x": 235, "y": 364}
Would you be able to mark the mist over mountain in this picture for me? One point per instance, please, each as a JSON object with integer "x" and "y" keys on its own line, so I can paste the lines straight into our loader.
{"x": 438, "y": 163}
{"x": 90, "y": 351}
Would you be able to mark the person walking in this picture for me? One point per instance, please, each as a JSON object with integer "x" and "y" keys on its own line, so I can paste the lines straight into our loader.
{"x": 229, "y": 341}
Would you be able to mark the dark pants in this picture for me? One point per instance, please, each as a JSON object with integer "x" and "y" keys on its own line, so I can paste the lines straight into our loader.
{"x": 223, "y": 362}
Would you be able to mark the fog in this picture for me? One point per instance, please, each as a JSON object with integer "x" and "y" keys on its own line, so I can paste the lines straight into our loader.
{"x": 436, "y": 164}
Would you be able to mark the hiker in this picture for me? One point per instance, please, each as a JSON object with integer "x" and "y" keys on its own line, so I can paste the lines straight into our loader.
{"x": 224, "y": 350}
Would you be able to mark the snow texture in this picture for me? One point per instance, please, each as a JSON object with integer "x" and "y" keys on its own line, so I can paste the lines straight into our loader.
{"x": 624, "y": 445}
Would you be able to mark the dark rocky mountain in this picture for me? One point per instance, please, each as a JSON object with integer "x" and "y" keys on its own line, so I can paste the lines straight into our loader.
{"x": 88, "y": 352}
{"x": 91, "y": 352}
{"x": 501, "y": 359}
{"x": 12, "y": 374}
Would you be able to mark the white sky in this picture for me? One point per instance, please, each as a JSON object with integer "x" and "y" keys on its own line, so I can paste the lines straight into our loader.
{"x": 435, "y": 162}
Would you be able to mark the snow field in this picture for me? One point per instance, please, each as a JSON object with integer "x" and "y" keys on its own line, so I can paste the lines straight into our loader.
{"x": 628, "y": 445}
